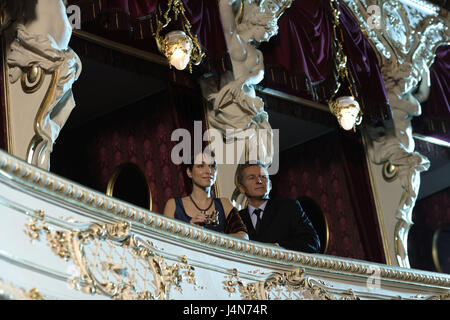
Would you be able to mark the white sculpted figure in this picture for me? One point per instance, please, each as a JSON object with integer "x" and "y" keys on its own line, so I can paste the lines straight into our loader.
{"x": 236, "y": 106}
{"x": 40, "y": 33}
{"x": 252, "y": 24}
{"x": 406, "y": 48}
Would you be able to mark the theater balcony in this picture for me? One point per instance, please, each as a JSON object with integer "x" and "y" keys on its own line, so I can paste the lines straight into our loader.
{"x": 352, "y": 95}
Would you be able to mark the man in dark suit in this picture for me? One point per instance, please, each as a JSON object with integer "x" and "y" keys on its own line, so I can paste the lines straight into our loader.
{"x": 280, "y": 222}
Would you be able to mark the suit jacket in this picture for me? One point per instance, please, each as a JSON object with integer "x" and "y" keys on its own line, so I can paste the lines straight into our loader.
{"x": 284, "y": 222}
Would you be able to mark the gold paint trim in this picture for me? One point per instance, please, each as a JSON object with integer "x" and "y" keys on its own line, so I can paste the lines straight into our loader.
{"x": 35, "y": 294}
{"x": 70, "y": 245}
{"x": 377, "y": 206}
{"x": 63, "y": 190}
{"x": 240, "y": 13}
{"x": 7, "y": 98}
{"x": 118, "y": 170}
{"x": 26, "y": 76}
{"x": 11, "y": 291}
{"x": 434, "y": 250}
{"x": 389, "y": 176}
{"x": 39, "y": 120}
{"x": 327, "y": 226}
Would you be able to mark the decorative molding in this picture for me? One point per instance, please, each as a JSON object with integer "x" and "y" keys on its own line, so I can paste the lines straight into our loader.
{"x": 9, "y": 291}
{"x": 37, "y": 180}
{"x": 440, "y": 297}
{"x": 118, "y": 276}
{"x": 125, "y": 274}
{"x": 296, "y": 285}
{"x": 39, "y": 148}
{"x": 292, "y": 285}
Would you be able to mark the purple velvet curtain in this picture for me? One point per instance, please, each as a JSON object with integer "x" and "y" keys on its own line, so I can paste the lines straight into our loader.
{"x": 435, "y": 119}
{"x": 303, "y": 43}
{"x": 141, "y": 8}
{"x": 300, "y": 60}
{"x": 363, "y": 64}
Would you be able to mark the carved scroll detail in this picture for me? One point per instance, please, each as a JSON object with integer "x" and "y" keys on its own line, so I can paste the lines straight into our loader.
{"x": 113, "y": 262}
{"x": 287, "y": 285}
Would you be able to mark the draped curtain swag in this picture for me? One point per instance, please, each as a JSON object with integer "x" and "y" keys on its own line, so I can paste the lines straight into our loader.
{"x": 300, "y": 60}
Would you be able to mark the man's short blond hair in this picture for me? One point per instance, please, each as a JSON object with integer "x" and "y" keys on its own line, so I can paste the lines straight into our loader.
{"x": 240, "y": 171}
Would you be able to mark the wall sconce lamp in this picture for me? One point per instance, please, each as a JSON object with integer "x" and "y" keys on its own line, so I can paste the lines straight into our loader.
{"x": 181, "y": 48}
{"x": 346, "y": 109}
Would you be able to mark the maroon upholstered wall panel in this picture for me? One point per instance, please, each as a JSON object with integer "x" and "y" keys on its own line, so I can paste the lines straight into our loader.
{"x": 332, "y": 170}
{"x": 139, "y": 133}
{"x": 429, "y": 214}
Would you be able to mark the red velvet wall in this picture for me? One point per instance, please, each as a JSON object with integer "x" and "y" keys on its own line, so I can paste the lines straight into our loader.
{"x": 139, "y": 133}
{"x": 332, "y": 170}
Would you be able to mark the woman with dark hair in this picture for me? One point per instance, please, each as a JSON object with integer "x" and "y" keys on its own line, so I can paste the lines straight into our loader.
{"x": 200, "y": 208}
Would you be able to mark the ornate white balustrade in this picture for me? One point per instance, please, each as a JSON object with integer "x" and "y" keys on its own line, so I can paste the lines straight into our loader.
{"x": 60, "y": 240}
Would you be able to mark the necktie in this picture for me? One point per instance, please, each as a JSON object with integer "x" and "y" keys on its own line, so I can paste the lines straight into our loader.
{"x": 257, "y": 212}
